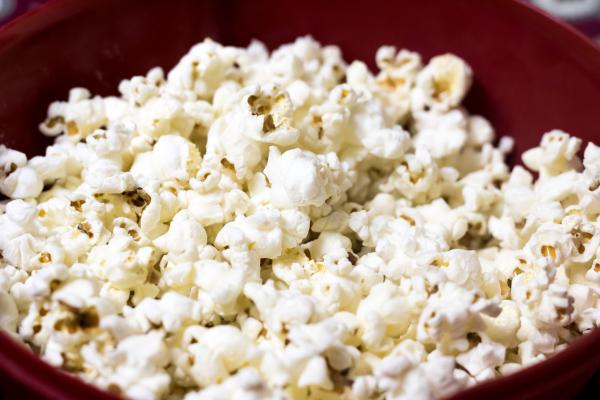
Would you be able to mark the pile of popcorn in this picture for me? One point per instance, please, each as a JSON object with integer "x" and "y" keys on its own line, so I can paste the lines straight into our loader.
{"x": 289, "y": 226}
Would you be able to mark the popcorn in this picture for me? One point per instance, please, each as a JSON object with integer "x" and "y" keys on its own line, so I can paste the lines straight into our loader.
{"x": 11, "y": 159}
{"x": 122, "y": 261}
{"x": 246, "y": 384}
{"x": 282, "y": 309}
{"x": 451, "y": 313}
{"x": 139, "y": 89}
{"x": 172, "y": 311}
{"x": 398, "y": 71}
{"x": 140, "y": 361}
{"x": 183, "y": 240}
{"x": 480, "y": 131}
{"x": 417, "y": 178}
{"x": 216, "y": 352}
{"x": 103, "y": 176}
{"x": 21, "y": 251}
{"x": 385, "y": 312}
{"x": 22, "y": 183}
{"x": 299, "y": 178}
{"x": 50, "y": 168}
{"x": 221, "y": 283}
{"x": 40, "y": 284}
{"x": 482, "y": 357}
{"x": 9, "y": 315}
{"x": 555, "y": 155}
{"x": 202, "y": 70}
{"x": 443, "y": 135}
{"x": 279, "y": 225}
{"x": 463, "y": 268}
{"x": 77, "y": 294}
{"x": 315, "y": 374}
{"x": 77, "y": 117}
{"x": 267, "y": 232}
{"x": 442, "y": 84}
{"x": 172, "y": 157}
{"x": 503, "y": 328}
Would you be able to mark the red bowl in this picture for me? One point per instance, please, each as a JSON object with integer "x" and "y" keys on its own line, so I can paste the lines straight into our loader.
{"x": 532, "y": 74}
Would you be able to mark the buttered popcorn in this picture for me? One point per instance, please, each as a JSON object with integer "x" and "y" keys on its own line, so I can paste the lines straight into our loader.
{"x": 290, "y": 226}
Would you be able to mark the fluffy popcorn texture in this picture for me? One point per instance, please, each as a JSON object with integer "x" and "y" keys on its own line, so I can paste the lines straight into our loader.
{"x": 255, "y": 225}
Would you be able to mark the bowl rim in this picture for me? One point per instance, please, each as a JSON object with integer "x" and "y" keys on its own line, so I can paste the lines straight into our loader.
{"x": 21, "y": 365}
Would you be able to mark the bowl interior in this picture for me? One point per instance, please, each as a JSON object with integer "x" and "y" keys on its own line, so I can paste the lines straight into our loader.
{"x": 531, "y": 74}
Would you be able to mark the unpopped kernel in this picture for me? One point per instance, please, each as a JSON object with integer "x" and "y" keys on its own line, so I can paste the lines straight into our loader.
{"x": 285, "y": 225}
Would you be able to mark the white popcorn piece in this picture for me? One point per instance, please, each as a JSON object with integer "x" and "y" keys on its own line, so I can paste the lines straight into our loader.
{"x": 172, "y": 157}
{"x": 315, "y": 374}
{"x": 104, "y": 176}
{"x": 11, "y": 159}
{"x": 385, "y": 312}
{"x": 281, "y": 309}
{"x": 183, "y": 240}
{"x": 22, "y": 183}
{"x": 78, "y": 293}
{"x": 76, "y": 118}
{"x": 267, "y": 232}
{"x": 556, "y": 154}
{"x": 504, "y": 327}
{"x": 160, "y": 116}
{"x": 463, "y": 268}
{"x": 221, "y": 282}
{"x": 482, "y": 357}
{"x": 246, "y": 384}
{"x": 9, "y": 314}
{"x": 452, "y": 312}
{"x": 300, "y": 178}
{"x": 480, "y": 131}
{"x": 172, "y": 311}
{"x": 50, "y": 168}
{"x": 442, "y": 135}
{"x": 217, "y": 352}
{"x": 139, "y": 89}
{"x": 591, "y": 159}
{"x": 141, "y": 373}
{"x": 442, "y": 84}
{"x": 121, "y": 261}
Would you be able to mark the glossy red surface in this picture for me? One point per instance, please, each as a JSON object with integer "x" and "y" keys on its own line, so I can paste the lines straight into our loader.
{"x": 532, "y": 74}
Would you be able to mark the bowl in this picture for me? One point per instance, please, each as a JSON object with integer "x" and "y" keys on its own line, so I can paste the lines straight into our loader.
{"x": 532, "y": 73}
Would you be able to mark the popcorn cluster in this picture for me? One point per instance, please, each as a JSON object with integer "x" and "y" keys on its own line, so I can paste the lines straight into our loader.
{"x": 288, "y": 226}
